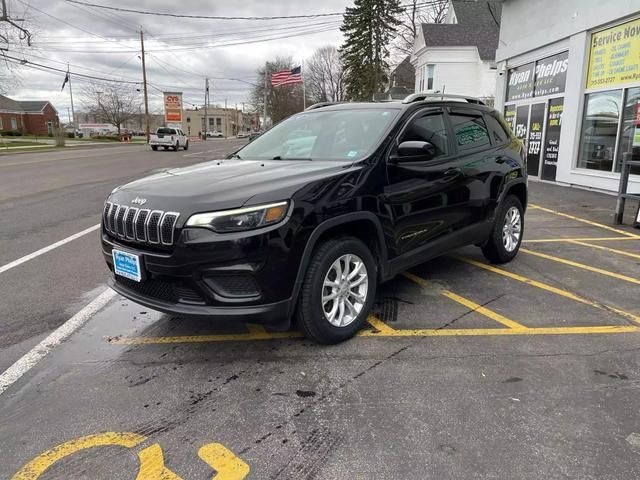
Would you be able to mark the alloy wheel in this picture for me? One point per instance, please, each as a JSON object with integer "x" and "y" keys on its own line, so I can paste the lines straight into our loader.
{"x": 344, "y": 290}
{"x": 512, "y": 229}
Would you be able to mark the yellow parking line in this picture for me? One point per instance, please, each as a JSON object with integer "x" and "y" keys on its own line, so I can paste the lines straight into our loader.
{"x": 230, "y": 337}
{"x": 462, "y": 332}
{"x": 468, "y": 303}
{"x": 549, "y": 288}
{"x": 583, "y": 220}
{"x": 585, "y": 239}
{"x": 382, "y": 332}
{"x": 583, "y": 266}
{"x": 606, "y": 249}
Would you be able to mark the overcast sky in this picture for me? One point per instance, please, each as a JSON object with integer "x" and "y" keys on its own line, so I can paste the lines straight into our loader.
{"x": 181, "y": 52}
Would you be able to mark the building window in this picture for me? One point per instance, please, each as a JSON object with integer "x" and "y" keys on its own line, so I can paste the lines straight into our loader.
{"x": 599, "y": 130}
{"x": 629, "y": 141}
{"x": 1, "y": 123}
{"x": 14, "y": 123}
{"x": 421, "y": 79}
{"x": 430, "y": 70}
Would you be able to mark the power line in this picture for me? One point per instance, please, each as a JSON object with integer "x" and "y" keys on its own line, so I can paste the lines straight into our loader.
{"x": 217, "y": 17}
{"x": 28, "y": 63}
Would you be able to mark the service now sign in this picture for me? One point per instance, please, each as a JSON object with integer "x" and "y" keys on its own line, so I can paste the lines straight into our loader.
{"x": 173, "y": 107}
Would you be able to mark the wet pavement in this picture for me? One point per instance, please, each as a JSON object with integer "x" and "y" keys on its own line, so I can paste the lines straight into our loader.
{"x": 528, "y": 370}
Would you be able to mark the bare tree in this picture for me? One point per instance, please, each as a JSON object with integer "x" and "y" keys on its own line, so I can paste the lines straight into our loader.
{"x": 413, "y": 15}
{"x": 112, "y": 103}
{"x": 324, "y": 76}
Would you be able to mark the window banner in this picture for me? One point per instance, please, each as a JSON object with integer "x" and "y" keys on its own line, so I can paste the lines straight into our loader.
{"x": 510, "y": 116}
{"x": 614, "y": 57}
{"x": 520, "y": 82}
{"x": 552, "y": 139}
{"x": 551, "y": 75}
{"x": 534, "y": 145}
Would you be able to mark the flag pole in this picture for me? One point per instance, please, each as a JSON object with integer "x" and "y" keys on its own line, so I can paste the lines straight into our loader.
{"x": 73, "y": 113}
{"x": 304, "y": 92}
{"x": 264, "y": 115}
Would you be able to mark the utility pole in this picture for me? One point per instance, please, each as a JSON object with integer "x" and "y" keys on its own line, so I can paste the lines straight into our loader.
{"x": 206, "y": 104}
{"x": 144, "y": 81}
{"x": 73, "y": 112}
{"x": 224, "y": 127}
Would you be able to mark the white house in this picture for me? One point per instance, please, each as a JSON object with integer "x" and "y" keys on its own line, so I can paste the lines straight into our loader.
{"x": 458, "y": 56}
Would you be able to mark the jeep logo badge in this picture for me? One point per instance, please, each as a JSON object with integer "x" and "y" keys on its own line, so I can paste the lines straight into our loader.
{"x": 139, "y": 201}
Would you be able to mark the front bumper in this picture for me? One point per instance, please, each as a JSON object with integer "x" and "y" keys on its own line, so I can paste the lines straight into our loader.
{"x": 248, "y": 277}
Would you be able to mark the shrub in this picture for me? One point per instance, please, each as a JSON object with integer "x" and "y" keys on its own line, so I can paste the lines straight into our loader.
{"x": 11, "y": 133}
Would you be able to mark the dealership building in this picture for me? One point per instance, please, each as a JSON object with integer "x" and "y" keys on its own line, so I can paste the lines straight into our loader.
{"x": 569, "y": 83}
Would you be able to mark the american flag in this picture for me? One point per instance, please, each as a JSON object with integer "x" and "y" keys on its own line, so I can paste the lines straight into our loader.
{"x": 287, "y": 77}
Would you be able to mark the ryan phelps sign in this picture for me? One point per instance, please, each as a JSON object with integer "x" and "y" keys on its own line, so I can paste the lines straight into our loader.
{"x": 614, "y": 58}
{"x": 536, "y": 79}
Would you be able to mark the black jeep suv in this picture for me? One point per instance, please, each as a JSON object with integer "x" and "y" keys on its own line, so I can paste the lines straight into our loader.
{"x": 306, "y": 220}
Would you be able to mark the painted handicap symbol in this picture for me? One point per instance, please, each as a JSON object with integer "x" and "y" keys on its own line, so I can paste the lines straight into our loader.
{"x": 226, "y": 465}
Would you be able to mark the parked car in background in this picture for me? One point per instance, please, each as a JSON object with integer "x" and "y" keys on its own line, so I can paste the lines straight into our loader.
{"x": 214, "y": 134}
{"x": 167, "y": 138}
{"x": 242, "y": 135}
{"x": 305, "y": 221}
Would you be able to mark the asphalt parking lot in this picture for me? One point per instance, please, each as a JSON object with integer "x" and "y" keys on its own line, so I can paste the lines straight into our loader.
{"x": 466, "y": 370}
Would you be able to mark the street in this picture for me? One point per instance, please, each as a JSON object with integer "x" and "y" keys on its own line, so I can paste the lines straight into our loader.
{"x": 466, "y": 370}
{"x": 46, "y": 197}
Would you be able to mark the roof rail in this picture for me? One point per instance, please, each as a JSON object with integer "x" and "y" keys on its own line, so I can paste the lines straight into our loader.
{"x": 320, "y": 105}
{"x": 435, "y": 97}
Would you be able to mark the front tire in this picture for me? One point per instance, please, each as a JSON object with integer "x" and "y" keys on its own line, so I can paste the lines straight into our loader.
{"x": 186, "y": 146}
{"x": 507, "y": 232}
{"x": 176, "y": 147}
{"x": 338, "y": 291}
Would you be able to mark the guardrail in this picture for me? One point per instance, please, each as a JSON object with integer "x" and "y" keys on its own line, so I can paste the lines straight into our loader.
{"x": 623, "y": 195}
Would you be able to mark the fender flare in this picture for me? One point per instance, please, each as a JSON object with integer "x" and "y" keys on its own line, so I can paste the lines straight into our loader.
{"x": 508, "y": 186}
{"x": 317, "y": 233}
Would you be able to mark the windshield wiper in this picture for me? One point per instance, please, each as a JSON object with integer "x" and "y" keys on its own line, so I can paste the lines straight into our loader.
{"x": 235, "y": 155}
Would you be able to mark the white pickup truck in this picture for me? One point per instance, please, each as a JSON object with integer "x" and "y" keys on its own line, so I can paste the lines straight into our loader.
{"x": 166, "y": 138}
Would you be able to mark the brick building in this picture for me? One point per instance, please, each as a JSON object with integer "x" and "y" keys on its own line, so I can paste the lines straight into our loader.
{"x": 36, "y": 117}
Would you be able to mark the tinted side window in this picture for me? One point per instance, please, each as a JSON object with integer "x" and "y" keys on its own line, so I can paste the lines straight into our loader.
{"x": 498, "y": 133}
{"x": 429, "y": 128}
{"x": 470, "y": 129}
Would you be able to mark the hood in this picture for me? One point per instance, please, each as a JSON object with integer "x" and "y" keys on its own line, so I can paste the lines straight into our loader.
{"x": 224, "y": 184}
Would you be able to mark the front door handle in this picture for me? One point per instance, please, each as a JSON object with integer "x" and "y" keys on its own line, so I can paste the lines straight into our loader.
{"x": 452, "y": 171}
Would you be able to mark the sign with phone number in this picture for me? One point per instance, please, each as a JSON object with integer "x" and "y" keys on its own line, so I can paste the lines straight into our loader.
{"x": 614, "y": 57}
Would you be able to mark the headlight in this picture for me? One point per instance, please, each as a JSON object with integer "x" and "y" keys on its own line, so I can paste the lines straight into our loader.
{"x": 240, "y": 219}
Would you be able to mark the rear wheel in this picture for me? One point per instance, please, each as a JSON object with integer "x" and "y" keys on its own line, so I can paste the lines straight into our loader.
{"x": 338, "y": 291}
{"x": 154, "y": 147}
{"x": 177, "y": 146}
{"x": 165, "y": 148}
{"x": 506, "y": 236}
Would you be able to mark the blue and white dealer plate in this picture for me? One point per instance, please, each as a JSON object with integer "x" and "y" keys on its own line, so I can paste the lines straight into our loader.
{"x": 127, "y": 265}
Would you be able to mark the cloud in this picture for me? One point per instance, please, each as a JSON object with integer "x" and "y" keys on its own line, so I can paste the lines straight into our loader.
{"x": 181, "y": 52}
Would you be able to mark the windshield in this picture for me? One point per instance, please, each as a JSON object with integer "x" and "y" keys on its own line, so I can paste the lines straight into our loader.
{"x": 167, "y": 131}
{"x": 345, "y": 135}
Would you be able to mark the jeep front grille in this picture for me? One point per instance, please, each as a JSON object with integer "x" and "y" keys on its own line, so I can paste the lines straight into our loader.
{"x": 140, "y": 224}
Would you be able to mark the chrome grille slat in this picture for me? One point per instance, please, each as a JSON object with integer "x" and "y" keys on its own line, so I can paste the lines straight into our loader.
{"x": 140, "y": 225}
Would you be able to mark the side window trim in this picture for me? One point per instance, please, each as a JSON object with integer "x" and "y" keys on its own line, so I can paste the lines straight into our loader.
{"x": 417, "y": 114}
{"x": 469, "y": 151}
{"x": 491, "y": 136}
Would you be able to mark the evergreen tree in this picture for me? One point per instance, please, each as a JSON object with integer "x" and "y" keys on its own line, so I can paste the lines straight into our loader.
{"x": 369, "y": 26}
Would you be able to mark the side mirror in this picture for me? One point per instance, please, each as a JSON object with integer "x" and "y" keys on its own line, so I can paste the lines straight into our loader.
{"x": 415, "y": 151}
